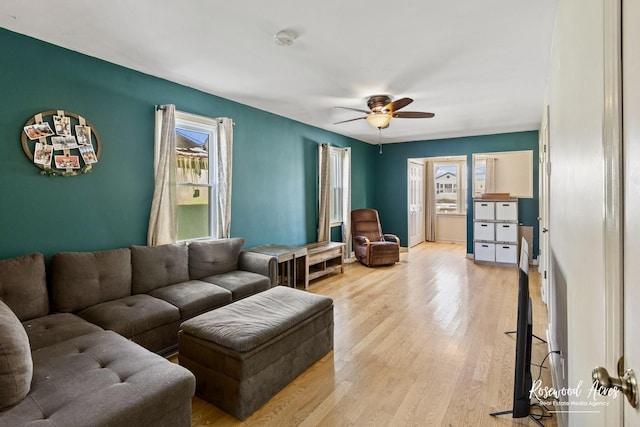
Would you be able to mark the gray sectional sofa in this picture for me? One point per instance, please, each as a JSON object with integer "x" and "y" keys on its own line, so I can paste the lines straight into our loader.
{"x": 73, "y": 358}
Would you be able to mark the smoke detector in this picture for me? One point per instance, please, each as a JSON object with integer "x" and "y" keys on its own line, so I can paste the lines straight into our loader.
{"x": 284, "y": 38}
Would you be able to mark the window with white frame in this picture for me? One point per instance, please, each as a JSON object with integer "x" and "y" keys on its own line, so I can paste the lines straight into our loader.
{"x": 195, "y": 176}
{"x": 335, "y": 185}
{"x": 480, "y": 177}
{"x": 451, "y": 186}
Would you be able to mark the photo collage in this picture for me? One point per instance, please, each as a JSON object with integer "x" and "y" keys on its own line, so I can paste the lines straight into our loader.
{"x": 56, "y": 144}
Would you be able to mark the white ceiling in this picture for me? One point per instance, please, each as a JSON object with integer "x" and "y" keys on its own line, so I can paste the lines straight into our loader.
{"x": 480, "y": 66}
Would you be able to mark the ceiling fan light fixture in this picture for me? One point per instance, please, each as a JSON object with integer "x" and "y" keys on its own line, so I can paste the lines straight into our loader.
{"x": 379, "y": 120}
{"x": 284, "y": 38}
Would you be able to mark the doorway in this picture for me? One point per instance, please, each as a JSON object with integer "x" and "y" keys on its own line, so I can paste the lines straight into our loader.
{"x": 446, "y": 215}
{"x": 416, "y": 199}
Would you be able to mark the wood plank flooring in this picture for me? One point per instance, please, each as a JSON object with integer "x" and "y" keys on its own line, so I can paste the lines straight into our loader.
{"x": 420, "y": 343}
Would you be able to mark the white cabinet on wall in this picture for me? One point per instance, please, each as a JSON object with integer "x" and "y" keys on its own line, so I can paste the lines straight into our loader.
{"x": 495, "y": 231}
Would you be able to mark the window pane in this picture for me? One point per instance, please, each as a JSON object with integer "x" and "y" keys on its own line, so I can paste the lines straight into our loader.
{"x": 335, "y": 187}
{"x": 193, "y": 211}
{"x": 479, "y": 176}
{"x": 192, "y": 148}
{"x": 446, "y": 177}
{"x": 195, "y": 174}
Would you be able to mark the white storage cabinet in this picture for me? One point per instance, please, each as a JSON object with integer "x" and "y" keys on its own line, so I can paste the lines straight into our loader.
{"x": 495, "y": 231}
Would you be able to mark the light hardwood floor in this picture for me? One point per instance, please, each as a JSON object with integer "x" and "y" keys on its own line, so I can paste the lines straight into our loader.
{"x": 420, "y": 343}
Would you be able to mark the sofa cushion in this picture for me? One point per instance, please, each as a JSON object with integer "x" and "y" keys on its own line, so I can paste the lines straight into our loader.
{"x": 83, "y": 279}
{"x": 55, "y": 328}
{"x": 102, "y": 379}
{"x": 214, "y": 256}
{"x": 16, "y": 366}
{"x": 157, "y": 266}
{"x": 193, "y": 297}
{"x": 23, "y": 286}
{"x": 131, "y": 315}
{"x": 240, "y": 283}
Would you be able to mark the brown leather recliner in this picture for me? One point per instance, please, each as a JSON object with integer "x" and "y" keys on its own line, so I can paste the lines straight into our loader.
{"x": 369, "y": 244}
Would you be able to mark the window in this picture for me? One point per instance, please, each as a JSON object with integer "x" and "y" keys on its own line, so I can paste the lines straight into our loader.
{"x": 451, "y": 186}
{"x": 479, "y": 176}
{"x": 335, "y": 186}
{"x": 195, "y": 176}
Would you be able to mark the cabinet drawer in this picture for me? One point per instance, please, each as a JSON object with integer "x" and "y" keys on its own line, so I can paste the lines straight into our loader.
{"x": 485, "y": 252}
{"x": 484, "y": 231}
{"x": 507, "y": 211}
{"x": 507, "y": 253}
{"x": 484, "y": 210}
{"x": 507, "y": 232}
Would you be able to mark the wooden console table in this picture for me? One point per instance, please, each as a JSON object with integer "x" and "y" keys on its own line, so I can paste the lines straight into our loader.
{"x": 321, "y": 259}
{"x": 286, "y": 257}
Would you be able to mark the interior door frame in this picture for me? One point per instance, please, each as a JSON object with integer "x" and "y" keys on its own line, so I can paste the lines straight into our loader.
{"x": 544, "y": 258}
{"x": 421, "y": 224}
{"x": 613, "y": 199}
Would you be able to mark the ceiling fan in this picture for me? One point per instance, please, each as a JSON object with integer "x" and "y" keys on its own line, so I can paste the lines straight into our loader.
{"x": 382, "y": 110}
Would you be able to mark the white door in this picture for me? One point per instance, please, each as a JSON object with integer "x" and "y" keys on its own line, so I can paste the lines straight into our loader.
{"x": 623, "y": 323}
{"x": 631, "y": 156}
{"x": 543, "y": 209}
{"x": 416, "y": 202}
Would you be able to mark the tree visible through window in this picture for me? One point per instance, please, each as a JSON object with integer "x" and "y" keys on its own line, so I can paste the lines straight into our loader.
{"x": 195, "y": 176}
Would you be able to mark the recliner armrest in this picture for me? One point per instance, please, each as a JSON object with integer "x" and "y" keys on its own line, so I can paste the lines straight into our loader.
{"x": 362, "y": 240}
{"x": 255, "y": 262}
{"x": 391, "y": 238}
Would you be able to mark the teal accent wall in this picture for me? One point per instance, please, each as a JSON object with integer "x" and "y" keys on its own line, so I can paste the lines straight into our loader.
{"x": 274, "y": 165}
{"x": 391, "y": 177}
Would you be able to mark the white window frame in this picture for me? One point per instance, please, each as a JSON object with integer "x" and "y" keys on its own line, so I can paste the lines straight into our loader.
{"x": 336, "y": 186}
{"x": 209, "y": 126}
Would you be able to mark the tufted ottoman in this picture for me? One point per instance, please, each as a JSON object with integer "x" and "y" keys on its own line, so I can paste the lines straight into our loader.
{"x": 242, "y": 354}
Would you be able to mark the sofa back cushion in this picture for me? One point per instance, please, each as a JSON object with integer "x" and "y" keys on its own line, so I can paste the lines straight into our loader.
{"x": 157, "y": 266}
{"x": 210, "y": 257}
{"x": 16, "y": 365}
{"x": 23, "y": 286}
{"x": 82, "y": 279}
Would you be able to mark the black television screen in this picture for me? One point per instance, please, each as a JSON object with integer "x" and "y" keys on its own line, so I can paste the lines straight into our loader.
{"x": 522, "y": 376}
{"x": 522, "y": 380}
{"x": 524, "y": 332}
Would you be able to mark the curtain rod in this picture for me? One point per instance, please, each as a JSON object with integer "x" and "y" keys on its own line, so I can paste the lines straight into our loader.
{"x": 219, "y": 120}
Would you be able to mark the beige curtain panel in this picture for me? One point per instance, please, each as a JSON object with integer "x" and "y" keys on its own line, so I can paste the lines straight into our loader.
{"x": 225, "y": 157}
{"x": 489, "y": 175}
{"x": 430, "y": 203}
{"x": 324, "y": 231}
{"x": 163, "y": 218}
{"x": 346, "y": 200}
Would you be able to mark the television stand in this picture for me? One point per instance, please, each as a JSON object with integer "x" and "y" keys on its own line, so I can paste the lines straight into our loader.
{"x": 533, "y": 335}
{"x": 535, "y": 420}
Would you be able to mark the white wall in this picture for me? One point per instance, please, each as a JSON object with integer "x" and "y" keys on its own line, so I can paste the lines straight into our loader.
{"x": 575, "y": 98}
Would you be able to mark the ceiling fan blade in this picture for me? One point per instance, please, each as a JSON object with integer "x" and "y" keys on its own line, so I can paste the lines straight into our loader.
{"x": 412, "y": 115}
{"x": 398, "y": 104}
{"x": 354, "y": 109}
{"x": 350, "y": 120}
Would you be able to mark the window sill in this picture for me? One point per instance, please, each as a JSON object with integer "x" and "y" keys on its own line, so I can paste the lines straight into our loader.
{"x": 452, "y": 214}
